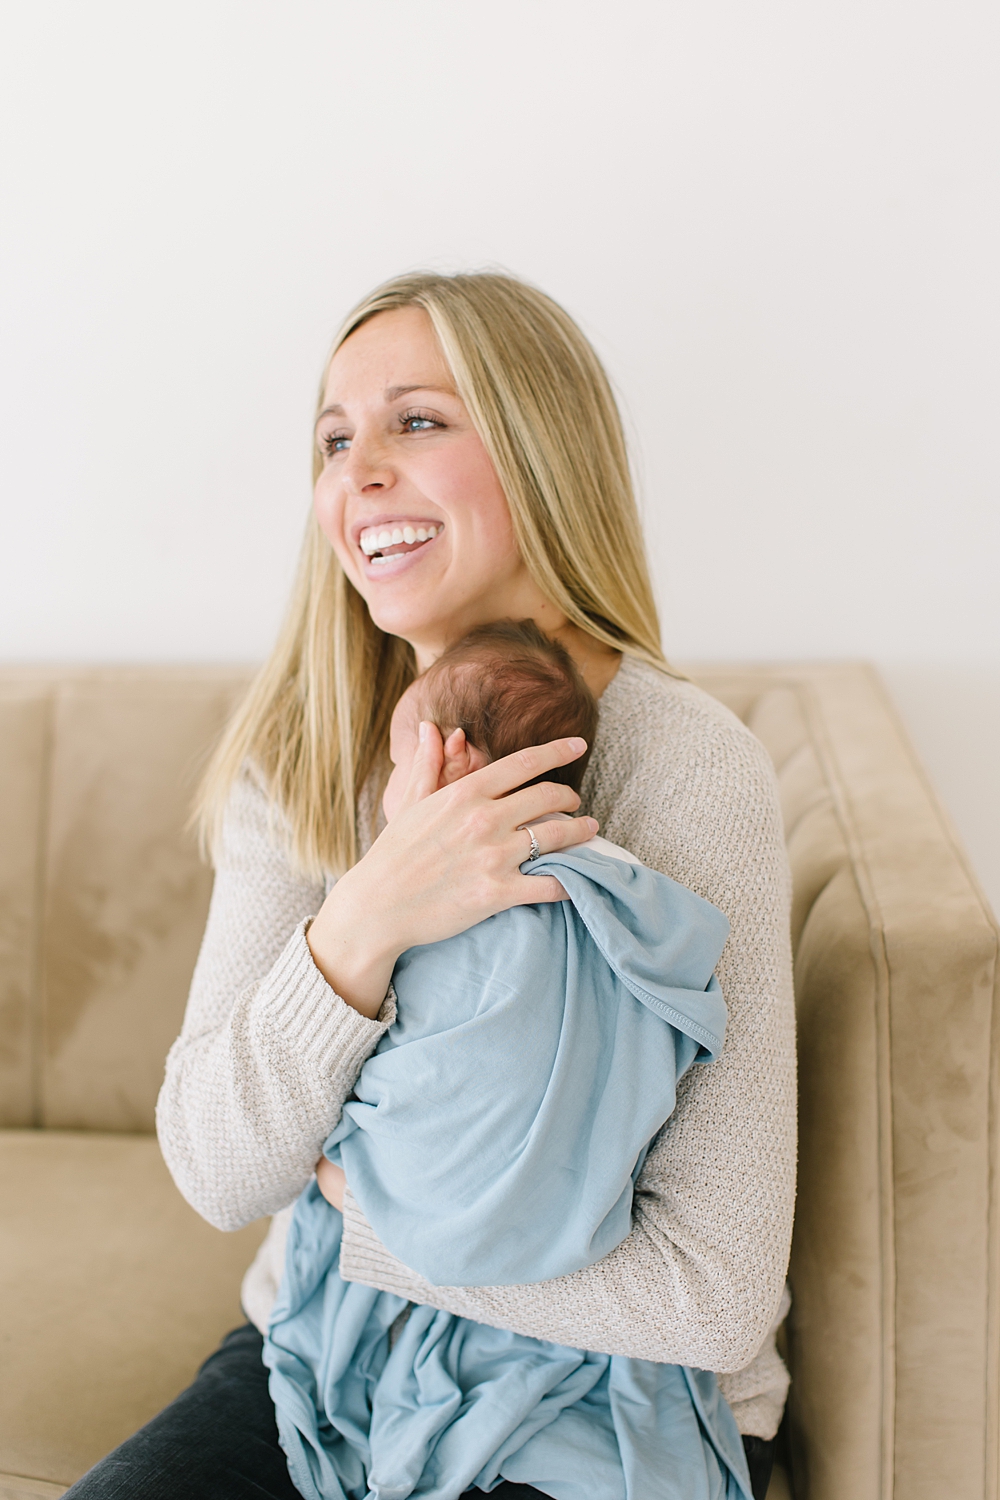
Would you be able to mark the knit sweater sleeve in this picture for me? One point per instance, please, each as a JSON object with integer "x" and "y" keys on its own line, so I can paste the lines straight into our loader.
{"x": 268, "y": 1052}
{"x": 699, "y": 1278}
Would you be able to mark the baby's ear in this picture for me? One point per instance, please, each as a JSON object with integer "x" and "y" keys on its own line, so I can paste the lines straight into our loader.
{"x": 460, "y": 758}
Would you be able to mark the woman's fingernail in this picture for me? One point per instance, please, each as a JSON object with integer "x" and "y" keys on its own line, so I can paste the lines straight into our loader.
{"x": 423, "y": 730}
{"x": 577, "y": 744}
{"x": 593, "y": 824}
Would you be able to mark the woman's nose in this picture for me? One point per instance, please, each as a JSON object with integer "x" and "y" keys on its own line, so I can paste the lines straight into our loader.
{"x": 367, "y": 467}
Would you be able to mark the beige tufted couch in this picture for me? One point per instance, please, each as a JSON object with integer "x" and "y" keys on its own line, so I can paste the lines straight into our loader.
{"x": 112, "y": 1289}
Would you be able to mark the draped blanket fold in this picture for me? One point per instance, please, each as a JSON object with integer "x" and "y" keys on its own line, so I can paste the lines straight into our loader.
{"x": 495, "y": 1137}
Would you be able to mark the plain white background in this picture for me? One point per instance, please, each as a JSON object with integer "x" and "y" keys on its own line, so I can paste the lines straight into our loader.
{"x": 777, "y": 222}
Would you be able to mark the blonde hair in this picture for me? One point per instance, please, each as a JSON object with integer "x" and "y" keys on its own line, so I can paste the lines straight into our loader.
{"x": 315, "y": 723}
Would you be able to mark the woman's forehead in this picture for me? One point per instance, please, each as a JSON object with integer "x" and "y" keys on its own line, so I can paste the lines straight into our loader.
{"x": 393, "y": 353}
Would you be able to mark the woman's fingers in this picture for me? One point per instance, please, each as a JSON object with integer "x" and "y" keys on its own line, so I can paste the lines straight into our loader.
{"x": 512, "y": 771}
{"x": 552, "y": 837}
{"x": 446, "y": 861}
{"x": 560, "y": 834}
{"x": 425, "y": 772}
{"x": 537, "y": 889}
{"x": 533, "y": 803}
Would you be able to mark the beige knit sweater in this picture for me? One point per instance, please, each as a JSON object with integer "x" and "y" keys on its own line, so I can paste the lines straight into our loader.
{"x": 268, "y": 1053}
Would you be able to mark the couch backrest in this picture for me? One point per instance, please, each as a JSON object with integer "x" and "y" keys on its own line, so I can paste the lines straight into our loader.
{"x": 102, "y": 894}
{"x": 893, "y": 1338}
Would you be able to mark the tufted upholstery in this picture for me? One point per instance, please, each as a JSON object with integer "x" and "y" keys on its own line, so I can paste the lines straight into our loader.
{"x": 113, "y": 1289}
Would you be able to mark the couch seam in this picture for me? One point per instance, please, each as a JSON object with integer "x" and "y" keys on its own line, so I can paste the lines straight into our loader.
{"x": 36, "y": 982}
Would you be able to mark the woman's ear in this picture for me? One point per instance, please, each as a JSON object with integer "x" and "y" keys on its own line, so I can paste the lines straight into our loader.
{"x": 460, "y": 758}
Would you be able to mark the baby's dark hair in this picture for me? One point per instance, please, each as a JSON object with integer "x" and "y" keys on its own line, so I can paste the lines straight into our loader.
{"x": 508, "y": 686}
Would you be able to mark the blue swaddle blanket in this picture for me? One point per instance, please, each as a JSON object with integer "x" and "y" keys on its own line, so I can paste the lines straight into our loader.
{"x": 495, "y": 1137}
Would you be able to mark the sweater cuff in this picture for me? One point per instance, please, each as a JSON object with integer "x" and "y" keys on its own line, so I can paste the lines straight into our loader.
{"x": 296, "y": 1003}
{"x": 761, "y": 1416}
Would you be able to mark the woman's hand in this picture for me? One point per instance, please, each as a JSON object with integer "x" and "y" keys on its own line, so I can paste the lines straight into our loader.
{"x": 448, "y": 860}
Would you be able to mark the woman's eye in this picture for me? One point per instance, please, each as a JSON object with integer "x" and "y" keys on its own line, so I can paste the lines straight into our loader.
{"x": 334, "y": 442}
{"x": 418, "y": 422}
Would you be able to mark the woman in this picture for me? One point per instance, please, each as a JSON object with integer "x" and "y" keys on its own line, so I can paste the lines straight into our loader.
{"x": 470, "y": 466}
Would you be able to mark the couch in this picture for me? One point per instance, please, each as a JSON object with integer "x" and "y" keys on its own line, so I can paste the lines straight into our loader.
{"x": 112, "y": 1289}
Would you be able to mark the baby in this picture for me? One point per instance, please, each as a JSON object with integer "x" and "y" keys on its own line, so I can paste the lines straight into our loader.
{"x": 507, "y": 1001}
{"x": 494, "y": 1138}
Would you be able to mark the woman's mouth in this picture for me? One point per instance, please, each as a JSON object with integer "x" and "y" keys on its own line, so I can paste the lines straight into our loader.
{"x": 381, "y": 544}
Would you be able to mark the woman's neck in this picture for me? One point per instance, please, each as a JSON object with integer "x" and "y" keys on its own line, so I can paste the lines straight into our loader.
{"x": 596, "y": 662}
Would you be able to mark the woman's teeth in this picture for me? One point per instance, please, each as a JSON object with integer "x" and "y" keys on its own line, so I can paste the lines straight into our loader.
{"x": 375, "y": 542}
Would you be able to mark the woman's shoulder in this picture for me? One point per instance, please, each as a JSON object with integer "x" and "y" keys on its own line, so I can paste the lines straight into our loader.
{"x": 650, "y": 718}
{"x": 674, "y": 766}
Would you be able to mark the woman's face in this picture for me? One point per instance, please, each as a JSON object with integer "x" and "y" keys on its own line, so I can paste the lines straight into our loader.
{"x": 408, "y": 496}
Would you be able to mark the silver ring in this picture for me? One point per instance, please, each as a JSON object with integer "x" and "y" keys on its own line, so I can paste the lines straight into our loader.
{"x": 535, "y": 851}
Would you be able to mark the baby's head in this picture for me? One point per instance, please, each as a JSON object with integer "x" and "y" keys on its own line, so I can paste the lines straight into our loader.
{"x": 505, "y": 686}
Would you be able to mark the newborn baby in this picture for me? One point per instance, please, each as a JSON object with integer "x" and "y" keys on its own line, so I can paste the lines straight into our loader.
{"x": 502, "y": 688}
{"x": 494, "y": 1137}
{"x": 496, "y": 1134}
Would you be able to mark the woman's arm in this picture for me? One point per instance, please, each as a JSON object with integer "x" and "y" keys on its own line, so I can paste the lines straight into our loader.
{"x": 268, "y": 1052}
{"x": 699, "y": 1278}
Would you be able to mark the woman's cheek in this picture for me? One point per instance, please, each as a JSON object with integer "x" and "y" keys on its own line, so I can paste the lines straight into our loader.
{"x": 329, "y": 511}
{"x": 322, "y": 507}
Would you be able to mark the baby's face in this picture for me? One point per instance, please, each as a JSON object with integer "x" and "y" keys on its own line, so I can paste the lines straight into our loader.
{"x": 404, "y": 736}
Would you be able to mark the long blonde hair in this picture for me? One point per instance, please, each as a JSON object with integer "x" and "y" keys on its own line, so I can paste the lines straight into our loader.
{"x": 315, "y": 723}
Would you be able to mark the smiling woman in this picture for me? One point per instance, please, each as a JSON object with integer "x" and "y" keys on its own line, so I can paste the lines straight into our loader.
{"x": 470, "y": 468}
{"x": 474, "y": 407}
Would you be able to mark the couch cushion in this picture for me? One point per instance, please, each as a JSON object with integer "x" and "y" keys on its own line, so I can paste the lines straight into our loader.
{"x": 113, "y": 1290}
{"x": 18, "y": 1487}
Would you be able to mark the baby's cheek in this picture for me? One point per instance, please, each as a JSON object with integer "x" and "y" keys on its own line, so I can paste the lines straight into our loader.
{"x": 392, "y": 794}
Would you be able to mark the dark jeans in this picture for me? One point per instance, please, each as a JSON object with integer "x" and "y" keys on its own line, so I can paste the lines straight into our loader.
{"x": 219, "y": 1441}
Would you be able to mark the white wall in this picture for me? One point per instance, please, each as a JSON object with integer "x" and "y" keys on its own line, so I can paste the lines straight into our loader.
{"x": 778, "y": 222}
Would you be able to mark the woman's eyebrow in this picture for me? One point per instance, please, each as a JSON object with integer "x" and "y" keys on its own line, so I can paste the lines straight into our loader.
{"x": 392, "y": 393}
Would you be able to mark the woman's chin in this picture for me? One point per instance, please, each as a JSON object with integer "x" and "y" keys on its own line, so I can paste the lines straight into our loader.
{"x": 415, "y": 620}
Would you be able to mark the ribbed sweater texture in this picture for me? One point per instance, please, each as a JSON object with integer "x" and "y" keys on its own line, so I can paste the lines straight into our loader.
{"x": 268, "y": 1053}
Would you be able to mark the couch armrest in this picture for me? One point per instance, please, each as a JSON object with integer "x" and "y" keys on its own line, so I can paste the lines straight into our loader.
{"x": 893, "y": 1338}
